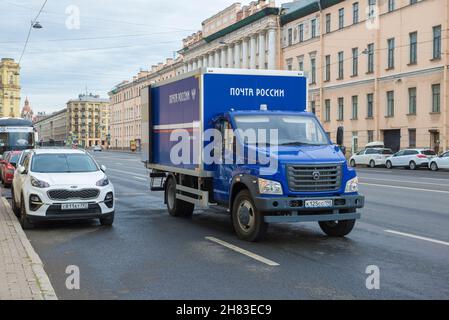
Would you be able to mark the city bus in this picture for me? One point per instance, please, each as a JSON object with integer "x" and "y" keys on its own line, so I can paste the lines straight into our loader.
{"x": 16, "y": 134}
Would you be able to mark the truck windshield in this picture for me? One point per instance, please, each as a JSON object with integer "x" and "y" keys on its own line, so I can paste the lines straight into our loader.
{"x": 292, "y": 130}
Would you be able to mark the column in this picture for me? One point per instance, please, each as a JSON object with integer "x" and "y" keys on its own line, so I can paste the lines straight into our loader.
{"x": 253, "y": 52}
{"x": 237, "y": 55}
{"x": 230, "y": 57}
{"x": 217, "y": 59}
{"x": 195, "y": 64}
{"x": 223, "y": 58}
{"x": 271, "y": 49}
{"x": 211, "y": 60}
{"x": 262, "y": 50}
{"x": 245, "y": 53}
{"x": 205, "y": 61}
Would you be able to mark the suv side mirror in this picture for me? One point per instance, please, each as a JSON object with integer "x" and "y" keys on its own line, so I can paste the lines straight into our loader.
{"x": 22, "y": 170}
{"x": 340, "y": 135}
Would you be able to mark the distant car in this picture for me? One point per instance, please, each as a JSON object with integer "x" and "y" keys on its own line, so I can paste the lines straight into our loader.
{"x": 9, "y": 166}
{"x": 97, "y": 148}
{"x": 371, "y": 157}
{"x": 3, "y": 157}
{"x": 61, "y": 184}
{"x": 410, "y": 158}
{"x": 441, "y": 162}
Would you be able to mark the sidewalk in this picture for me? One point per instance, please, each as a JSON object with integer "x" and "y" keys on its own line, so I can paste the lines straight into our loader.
{"x": 22, "y": 276}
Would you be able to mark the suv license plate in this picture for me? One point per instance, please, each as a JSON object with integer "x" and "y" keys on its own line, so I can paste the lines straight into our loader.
{"x": 318, "y": 203}
{"x": 74, "y": 206}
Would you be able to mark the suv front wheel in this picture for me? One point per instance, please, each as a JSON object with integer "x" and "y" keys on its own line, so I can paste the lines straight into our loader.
{"x": 24, "y": 220}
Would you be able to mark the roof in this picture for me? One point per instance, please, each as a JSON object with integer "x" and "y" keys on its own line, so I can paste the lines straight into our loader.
{"x": 298, "y": 9}
{"x": 15, "y": 122}
{"x": 59, "y": 151}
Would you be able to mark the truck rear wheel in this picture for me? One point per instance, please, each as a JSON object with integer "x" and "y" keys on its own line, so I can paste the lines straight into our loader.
{"x": 176, "y": 207}
{"x": 337, "y": 228}
{"x": 247, "y": 221}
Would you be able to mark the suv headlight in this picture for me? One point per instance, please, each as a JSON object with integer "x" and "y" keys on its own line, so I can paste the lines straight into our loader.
{"x": 103, "y": 182}
{"x": 352, "y": 185}
{"x": 270, "y": 187}
{"x": 38, "y": 183}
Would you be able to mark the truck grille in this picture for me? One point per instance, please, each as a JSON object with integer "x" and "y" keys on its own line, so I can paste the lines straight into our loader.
{"x": 85, "y": 194}
{"x": 311, "y": 178}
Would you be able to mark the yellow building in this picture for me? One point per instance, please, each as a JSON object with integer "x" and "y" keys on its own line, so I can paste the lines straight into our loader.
{"x": 9, "y": 88}
{"x": 87, "y": 121}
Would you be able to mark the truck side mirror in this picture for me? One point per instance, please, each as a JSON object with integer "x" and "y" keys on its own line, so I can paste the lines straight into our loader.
{"x": 340, "y": 136}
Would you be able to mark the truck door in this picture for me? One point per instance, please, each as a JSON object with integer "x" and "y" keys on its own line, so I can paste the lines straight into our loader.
{"x": 224, "y": 171}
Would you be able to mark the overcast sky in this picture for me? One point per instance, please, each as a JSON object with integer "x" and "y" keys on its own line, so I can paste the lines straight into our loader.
{"x": 114, "y": 41}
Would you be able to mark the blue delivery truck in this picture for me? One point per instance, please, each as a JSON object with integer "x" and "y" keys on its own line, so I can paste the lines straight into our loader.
{"x": 242, "y": 139}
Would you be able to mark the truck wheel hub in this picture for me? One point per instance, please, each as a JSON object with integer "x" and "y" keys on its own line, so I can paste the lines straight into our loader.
{"x": 246, "y": 215}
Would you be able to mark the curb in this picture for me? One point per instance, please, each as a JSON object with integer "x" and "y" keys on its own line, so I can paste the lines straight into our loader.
{"x": 47, "y": 291}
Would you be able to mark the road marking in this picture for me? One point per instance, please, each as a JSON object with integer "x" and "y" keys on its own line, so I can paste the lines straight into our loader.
{"x": 417, "y": 237}
{"x": 398, "y": 187}
{"x": 407, "y": 181}
{"x": 138, "y": 178}
{"x": 243, "y": 251}
{"x": 127, "y": 172}
{"x": 368, "y": 170}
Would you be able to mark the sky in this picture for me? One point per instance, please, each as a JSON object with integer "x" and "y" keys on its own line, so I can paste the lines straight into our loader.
{"x": 94, "y": 44}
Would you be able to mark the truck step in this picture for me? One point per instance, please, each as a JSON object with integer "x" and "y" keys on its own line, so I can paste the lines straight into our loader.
{"x": 157, "y": 175}
{"x": 157, "y": 189}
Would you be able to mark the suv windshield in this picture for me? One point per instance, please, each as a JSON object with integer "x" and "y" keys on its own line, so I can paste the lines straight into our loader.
{"x": 292, "y": 130}
{"x": 63, "y": 163}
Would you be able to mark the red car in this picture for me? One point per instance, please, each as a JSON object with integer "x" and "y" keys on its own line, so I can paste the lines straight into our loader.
{"x": 8, "y": 166}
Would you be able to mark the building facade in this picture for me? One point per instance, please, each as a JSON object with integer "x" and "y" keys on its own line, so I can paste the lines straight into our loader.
{"x": 9, "y": 88}
{"x": 375, "y": 67}
{"x": 53, "y": 129}
{"x": 88, "y": 121}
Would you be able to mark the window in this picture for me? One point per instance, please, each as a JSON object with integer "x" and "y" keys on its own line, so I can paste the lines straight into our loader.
{"x": 341, "y": 18}
{"x": 436, "y": 98}
{"x": 413, "y": 1}
{"x": 437, "y": 42}
{"x": 412, "y": 100}
{"x": 355, "y": 107}
{"x": 412, "y": 138}
{"x": 413, "y": 47}
{"x": 390, "y": 53}
{"x": 370, "y": 58}
{"x": 355, "y": 61}
{"x": 301, "y": 32}
{"x": 327, "y": 70}
{"x": 371, "y": 9}
{"x": 340, "y": 65}
{"x": 328, "y": 22}
{"x": 301, "y": 63}
{"x": 355, "y": 13}
{"x": 312, "y": 70}
{"x": 369, "y": 105}
{"x": 290, "y": 37}
{"x": 289, "y": 64}
{"x": 390, "y": 104}
{"x": 391, "y": 5}
{"x": 370, "y": 136}
{"x": 313, "y": 27}
{"x": 313, "y": 107}
{"x": 327, "y": 110}
{"x": 341, "y": 106}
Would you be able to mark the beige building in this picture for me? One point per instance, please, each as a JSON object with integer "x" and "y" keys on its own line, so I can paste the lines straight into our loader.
{"x": 88, "y": 121}
{"x": 9, "y": 88}
{"x": 378, "y": 68}
{"x": 53, "y": 129}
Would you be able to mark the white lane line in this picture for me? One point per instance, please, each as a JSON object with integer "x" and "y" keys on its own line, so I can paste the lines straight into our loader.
{"x": 368, "y": 171}
{"x": 408, "y": 181}
{"x": 405, "y": 188}
{"x": 417, "y": 237}
{"x": 126, "y": 172}
{"x": 243, "y": 251}
{"x": 142, "y": 179}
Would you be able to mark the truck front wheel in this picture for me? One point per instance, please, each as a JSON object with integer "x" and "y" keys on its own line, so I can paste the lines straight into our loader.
{"x": 176, "y": 207}
{"x": 247, "y": 221}
{"x": 337, "y": 228}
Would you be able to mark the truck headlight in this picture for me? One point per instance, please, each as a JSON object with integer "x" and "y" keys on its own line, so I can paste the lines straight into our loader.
{"x": 352, "y": 185}
{"x": 39, "y": 183}
{"x": 270, "y": 187}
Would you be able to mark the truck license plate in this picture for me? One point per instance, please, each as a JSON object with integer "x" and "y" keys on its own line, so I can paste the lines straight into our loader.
{"x": 318, "y": 203}
{"x": 74, "y": 206}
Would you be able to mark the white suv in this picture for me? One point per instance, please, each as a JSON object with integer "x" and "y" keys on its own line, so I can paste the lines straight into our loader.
{"x": 61, "y": 184}
{"x": 410, "y": 158}
{"x": 371, "y": 157}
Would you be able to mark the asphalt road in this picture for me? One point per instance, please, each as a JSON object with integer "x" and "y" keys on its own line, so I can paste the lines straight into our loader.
{"x": 150, "y": 255}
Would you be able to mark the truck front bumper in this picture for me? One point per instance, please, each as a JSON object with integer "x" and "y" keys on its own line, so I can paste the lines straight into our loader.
{"x": 294, "y": 209}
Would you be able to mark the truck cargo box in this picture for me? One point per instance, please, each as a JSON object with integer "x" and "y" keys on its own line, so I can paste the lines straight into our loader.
{"x": 192, "y": 100}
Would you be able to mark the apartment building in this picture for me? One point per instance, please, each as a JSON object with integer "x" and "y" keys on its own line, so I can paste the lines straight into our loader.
{"x": 375, "y": 67}
{"x": 9, "y": 88}
{"x": 53, "y": 129}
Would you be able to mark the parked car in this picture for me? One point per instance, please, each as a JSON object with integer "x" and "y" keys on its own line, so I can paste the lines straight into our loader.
{"x": 372, "y": 157}
{"x": 9, "y": 166}
{"x": 97, "y": 148}
{"x": 410, "y": 158}
{"x": 62, "y": 184}
{"x": 3, "y": 157}
{"x": 441, "y": 162}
